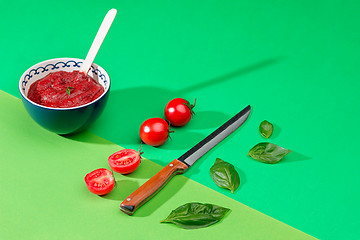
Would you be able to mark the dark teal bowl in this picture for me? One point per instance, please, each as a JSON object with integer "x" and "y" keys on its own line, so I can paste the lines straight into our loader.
{"x": 64, "y": 120}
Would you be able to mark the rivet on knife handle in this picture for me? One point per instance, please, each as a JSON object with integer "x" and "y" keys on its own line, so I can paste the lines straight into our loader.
{"x": 152, "y": 186}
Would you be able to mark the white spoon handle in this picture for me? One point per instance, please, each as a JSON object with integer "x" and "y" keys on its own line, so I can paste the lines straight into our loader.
{"x": 99, "y": 38}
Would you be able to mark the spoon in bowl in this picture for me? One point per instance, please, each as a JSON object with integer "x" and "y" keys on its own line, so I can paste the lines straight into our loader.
{"x": 99, "y": 38}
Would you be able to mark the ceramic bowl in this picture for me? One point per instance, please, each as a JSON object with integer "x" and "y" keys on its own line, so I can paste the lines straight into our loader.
{"x": 63, "y": 120}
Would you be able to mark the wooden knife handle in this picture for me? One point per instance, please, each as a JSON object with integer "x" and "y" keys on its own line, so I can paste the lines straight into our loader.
{"x": 152, "y": 186}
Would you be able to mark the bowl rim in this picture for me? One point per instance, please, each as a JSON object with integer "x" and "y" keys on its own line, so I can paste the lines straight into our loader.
{"x": 62, "y": 109}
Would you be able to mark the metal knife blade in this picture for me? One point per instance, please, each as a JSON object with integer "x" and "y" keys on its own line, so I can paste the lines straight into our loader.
{"x": 179, "y": 166}
{"x": 215, "y": 137}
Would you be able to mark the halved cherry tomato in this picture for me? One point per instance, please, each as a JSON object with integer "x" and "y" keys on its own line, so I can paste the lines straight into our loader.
{"x": 154, "y": 131}
{"x": 179, "y": 111}
{"x": 124, "y": 161}
{"x": 100, "y": 181}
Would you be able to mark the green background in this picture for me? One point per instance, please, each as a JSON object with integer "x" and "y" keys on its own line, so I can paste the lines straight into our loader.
{"x": 295, "y": 62}
{"x": 43, "y": 193}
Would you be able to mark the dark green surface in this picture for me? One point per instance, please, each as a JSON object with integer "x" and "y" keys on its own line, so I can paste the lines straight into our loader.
{"x": 295, "y": 62}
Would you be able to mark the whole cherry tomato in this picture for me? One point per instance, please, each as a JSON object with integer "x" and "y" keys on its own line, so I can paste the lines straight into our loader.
{"x": 179, "y": 111}
{"x": 124, "y": 161}
{"x": 154, "y": 131}
{"x": 100, "y": 181}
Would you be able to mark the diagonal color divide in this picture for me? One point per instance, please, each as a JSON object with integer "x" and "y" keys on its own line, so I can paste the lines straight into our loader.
{"x": 43, "y": 191}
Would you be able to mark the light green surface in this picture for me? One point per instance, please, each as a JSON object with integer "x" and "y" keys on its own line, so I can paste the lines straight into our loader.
{"x": 295, "y": 62}
{"x": 44, "y": 196}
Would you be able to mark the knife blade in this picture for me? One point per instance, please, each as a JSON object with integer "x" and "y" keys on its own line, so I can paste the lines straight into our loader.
{"x": 178, "y": 166}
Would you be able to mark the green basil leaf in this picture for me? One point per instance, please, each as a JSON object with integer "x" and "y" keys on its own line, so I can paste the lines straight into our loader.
{"x": 225, "y": 175}
{"x": 196, "y": 215}
{"x": 68, "y": 90}
{"x": 268, "y": 152}
{"x": 266, "y": 129}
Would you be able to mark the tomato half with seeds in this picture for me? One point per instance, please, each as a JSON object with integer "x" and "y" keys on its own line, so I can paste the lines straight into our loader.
{"x": 124, "y": 161}
{"x": 100, "y": 181}
{"x": 154, "y": 131}
{"x": 179, "y": 111}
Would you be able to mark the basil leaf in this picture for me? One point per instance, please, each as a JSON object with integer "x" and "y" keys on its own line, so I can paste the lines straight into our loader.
{"x": 196, "y": 215}
{"x": 268, "y": 152}
{"x": 225, "y": 175}
{"x": 266, "y": 129}
{"x": 68, "y": 90}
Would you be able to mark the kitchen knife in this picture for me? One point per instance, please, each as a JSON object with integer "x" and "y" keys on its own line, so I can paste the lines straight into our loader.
{"x": 180, "y": 165}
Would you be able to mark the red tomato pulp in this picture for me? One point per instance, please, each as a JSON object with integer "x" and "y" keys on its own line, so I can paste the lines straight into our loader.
{"x": 124, "y": 161}
{"x": 65, "y": 89}
{"x": 100, "y": 181}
